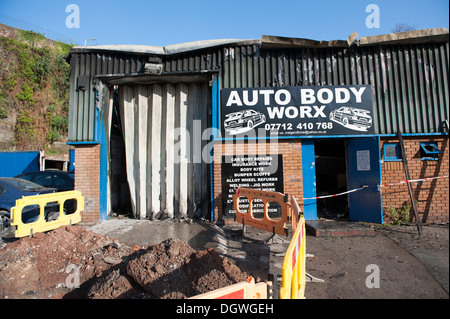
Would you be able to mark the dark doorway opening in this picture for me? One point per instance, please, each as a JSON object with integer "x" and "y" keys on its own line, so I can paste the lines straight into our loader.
{"x": 331, "y": 178}
{"x": 119, "y": 189}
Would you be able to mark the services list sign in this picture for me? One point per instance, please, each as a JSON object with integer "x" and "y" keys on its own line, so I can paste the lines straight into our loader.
{"x": 264, "y": 172}
{"x": 297, "y": 111}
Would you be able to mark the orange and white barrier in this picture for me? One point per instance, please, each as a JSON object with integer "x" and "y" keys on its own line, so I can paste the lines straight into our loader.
{"x": 243, "y": 290}
{"x": 296, "y": 213}
{"x": 294, "y": 265}
{"x": 275, "y": 225}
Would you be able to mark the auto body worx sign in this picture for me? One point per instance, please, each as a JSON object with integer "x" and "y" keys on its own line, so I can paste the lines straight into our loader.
{"x": 297, "y": 111}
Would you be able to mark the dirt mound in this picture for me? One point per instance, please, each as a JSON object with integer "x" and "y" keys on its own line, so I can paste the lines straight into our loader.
{"x": 173, "y": 269}
{"x": 72, "y": 262}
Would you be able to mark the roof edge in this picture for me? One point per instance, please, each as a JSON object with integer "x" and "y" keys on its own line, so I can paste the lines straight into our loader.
{"x": 435, "y": 35}
{"x": 271, "y": 41}
{"x": 166, "y": 50}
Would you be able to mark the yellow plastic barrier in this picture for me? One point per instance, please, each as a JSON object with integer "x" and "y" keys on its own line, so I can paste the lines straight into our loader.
{"x": 242, "y": 290}
{"x": 47, "y": 220}
{"x": 294, "y": 264}
{"x": 276, "y": 225}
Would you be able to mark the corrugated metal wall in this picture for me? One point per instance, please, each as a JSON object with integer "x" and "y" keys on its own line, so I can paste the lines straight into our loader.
{"x": 81, "y": 111}
{"x": 409, "y": 82}
{"x": 162, "y": 127}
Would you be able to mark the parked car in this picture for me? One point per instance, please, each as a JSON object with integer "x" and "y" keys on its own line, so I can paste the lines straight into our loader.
{"x": 242, "y": 121}
{"x": 12, "y": 189}
{"x": 352, "y": 118}
{"x": 62, "y": 181}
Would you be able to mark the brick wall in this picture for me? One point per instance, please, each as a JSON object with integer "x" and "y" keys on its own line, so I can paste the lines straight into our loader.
{"x": 292, "y": 165}
{"x": 431, "y": 196}
{"x": 87, "y": 180}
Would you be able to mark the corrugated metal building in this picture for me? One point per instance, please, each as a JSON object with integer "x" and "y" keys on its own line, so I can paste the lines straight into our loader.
{"x": 145, "y": 111}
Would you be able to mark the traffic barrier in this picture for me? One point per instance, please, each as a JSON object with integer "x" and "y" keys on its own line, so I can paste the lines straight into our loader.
{"x": 275, "y": 225}
{"x": 294, "y": 264}
{"x": 296, "y": 213}
{"x": 243, "y": 290}
{"x": 55, "y": 210}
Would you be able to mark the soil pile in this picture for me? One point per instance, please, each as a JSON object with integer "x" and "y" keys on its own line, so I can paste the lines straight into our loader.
{"x": 72, "y": 262}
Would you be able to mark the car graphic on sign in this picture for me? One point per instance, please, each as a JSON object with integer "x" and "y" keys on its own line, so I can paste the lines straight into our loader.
{"x": 243, "y": 121}
{"x": 352, "y": 118}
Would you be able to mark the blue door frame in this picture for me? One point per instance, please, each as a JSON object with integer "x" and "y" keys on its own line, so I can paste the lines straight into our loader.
{"x": 309, "y": 179}
{"x": 363, "y": 169}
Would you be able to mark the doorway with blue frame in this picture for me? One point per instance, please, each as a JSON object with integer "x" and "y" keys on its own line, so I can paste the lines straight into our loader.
{"x": 339, "y": 165}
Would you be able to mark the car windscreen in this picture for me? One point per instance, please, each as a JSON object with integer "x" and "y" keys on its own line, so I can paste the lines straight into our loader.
{"x": 361, "y": 112}
{"x": 22, "y": 184}
{"x": 235, "y": 115}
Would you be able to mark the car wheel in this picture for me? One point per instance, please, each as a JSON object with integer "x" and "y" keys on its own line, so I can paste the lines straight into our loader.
{"x": 345, "y": 121}
{"x": 5, "y": 221}
{"x": 250, "y": 124}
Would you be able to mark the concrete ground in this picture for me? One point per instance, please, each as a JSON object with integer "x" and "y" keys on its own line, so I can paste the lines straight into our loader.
{"x": 384, "y": 262}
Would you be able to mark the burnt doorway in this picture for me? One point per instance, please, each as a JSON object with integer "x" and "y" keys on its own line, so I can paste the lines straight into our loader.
{"x": 331, "y": 178}
{"x": 119, "y": 189}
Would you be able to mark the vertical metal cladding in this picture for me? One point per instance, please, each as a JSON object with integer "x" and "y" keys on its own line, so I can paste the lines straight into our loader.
{"x": 409, "y": 82}
{"x": 82, "y": 102}
{"x": 90, "y": 64}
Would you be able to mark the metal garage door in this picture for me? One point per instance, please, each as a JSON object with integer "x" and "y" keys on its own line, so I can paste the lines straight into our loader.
{"x": 162, "y": 127}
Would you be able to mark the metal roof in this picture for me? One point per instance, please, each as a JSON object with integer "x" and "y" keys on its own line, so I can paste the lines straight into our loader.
{"x": 435, "y": 35}
{"x": 165, "y": 50}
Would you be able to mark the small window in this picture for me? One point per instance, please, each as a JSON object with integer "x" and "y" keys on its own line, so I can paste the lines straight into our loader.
{"x": 392, "y": 152}
{"x": 429, "y": 151}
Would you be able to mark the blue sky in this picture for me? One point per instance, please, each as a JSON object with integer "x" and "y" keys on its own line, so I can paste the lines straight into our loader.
{"x": 170, "y": 22}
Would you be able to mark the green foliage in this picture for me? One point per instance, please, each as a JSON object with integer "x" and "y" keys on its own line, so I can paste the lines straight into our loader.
{"x": 3, "y": 112}
{"x": 26, "y": 94}
{"x": 24, "y": 126}
{"x": 34, "y": 74}
{"x": 58, "y": 125}
{"x": 42, "y": 67}
{"x": 401, "y": 215}
{"x": 30, "y": 37}
{"x": 3, "y": 105}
